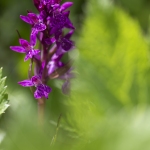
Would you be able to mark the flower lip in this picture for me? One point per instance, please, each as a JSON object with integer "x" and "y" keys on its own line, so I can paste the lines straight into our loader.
{"x": 42, "y": 91}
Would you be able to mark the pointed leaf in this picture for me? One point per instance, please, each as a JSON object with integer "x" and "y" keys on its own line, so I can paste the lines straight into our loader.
{"x": 3, "y": 96}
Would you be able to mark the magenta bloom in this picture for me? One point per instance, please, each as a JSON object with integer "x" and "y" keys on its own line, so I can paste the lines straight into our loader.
{"x": 35, "y": 20}
{"x": 25, "y": 47}
{"x": 54, "y": 63}
{"x": 37, "y": 24}
{"x": 59, "y": 17}
{"x": 41, "y": 89}
{"x": 64, "y": 44}
{"x": 59, "y": 21}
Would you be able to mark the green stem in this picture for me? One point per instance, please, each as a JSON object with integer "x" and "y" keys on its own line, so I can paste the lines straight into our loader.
{"x": 41, "y": 109}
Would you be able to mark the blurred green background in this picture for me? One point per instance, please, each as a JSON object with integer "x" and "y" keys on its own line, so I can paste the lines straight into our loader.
{"x": 109, "y": 104}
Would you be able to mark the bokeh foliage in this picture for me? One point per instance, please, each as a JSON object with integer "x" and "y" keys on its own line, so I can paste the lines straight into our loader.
{"x": 108, "y": 107}
{"x": 3, "y": 96}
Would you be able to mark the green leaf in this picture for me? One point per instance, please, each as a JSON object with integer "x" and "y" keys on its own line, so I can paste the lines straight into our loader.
{"x": 3, "y": 96}
{"x": 112, "y": 42}
{"x": 113, "y": 71}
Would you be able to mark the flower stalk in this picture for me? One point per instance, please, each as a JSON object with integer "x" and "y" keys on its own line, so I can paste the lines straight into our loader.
{"x": 41, "y": 110}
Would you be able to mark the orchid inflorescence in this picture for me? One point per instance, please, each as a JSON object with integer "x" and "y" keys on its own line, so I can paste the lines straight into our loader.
{"x": 47, "y": 31}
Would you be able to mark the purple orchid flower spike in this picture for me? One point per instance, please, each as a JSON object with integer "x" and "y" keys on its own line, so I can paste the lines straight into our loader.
{"x": 27, "y": 48}
{"x": 42, "y": 90}
{"x": 46, "y": 62}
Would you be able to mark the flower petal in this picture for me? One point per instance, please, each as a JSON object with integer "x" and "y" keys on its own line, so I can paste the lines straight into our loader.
{"x": 26, "y": 83}
{"x": 66, "y": 5}
{"x": 69, "y": 24}
{"x": 46, "y": 1}
{"x": 47, "y": 89}
{"x": 38, "y": 56}
{"x": 26, "y": 19}
{"x": 43, "y": 15}
{"x": 38, "y": 94}
{"x": 41, "y": 69}
{"x": 18, "y": 49}
{"x": 42, "y": 91}
{"x": 51, "y": 67}
{"x": 53, "y": 30}
{"x": 36, "y": 80}
{"x": 40, "y": 26}
{"x": 25, "y": 44}
{"x": 69, "y": 34}
{"x": 49, "y": 41}
{"x": 30, "y": 54}
{"x": 66, "y": 13}
{"x": 27, "y": 57}
{"x": 35, "y": 52}
{"x": 55, "y": 6}
{"x": 33, "y": 17}
{"x": 33, "y": 36}
{"x": 66, "y": 44}
{"x": 37, "y": 4}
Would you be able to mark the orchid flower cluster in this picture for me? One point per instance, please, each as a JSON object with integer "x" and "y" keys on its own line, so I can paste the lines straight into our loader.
{"x": 48, "y": 31}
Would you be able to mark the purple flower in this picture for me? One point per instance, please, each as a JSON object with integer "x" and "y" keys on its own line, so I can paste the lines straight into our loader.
{"x": 37, "y": 24}
{"x": 65, "y": 6}
{"x": 27, "y": 48}
{"x": 35, "y": 20}
{"x": 56, "y": 6}
{"x": 60, "y": 17}
{"x": 59, "y": 21}
{"x": 42, "y": 90}
{"x": 64, "y": 44}
{"x": 45, "y": 1}
{"x": 54, "y": 63}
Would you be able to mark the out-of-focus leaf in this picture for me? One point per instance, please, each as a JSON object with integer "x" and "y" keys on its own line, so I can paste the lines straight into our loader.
{"x": 113, "y": 71}
{"x": 3, "y": 96}
{"x": 112, "y": 42}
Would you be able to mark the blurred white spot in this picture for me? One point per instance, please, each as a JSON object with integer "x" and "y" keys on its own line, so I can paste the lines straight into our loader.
{"x": 2, "y": 135}
{"x": 105, "y": 3}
